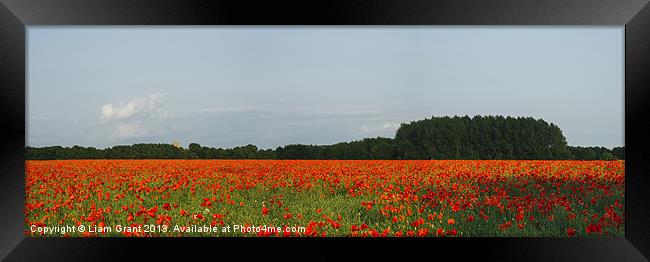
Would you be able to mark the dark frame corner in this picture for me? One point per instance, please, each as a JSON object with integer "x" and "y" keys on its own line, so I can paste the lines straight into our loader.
{"x": 15, "y": 15}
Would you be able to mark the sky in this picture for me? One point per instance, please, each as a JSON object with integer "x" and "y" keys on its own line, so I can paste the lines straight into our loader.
{"x": 273, "y": 86}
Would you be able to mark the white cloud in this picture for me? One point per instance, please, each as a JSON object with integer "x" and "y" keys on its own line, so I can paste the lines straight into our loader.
{"x": 135, "y": 118}
{"x": 142, "y": 108}
{"x": 380, "y": 129}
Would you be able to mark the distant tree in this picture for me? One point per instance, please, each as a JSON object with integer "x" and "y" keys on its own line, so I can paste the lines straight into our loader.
{"x": 197, "y": 151}
{"x": 619, "y": 152}
{"x": 607, "y": 156}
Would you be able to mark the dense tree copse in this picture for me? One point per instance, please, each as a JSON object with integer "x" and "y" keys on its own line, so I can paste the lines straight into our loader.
{"x": 478, "y": 137}
{"x": 489, "y": 137}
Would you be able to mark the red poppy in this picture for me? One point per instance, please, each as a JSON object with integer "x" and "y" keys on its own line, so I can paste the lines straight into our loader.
{"x": 594, "y": 228}
{"x": 570, "y": 231}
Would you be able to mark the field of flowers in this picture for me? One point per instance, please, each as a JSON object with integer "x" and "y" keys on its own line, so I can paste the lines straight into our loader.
{"x": 325, "y": 198}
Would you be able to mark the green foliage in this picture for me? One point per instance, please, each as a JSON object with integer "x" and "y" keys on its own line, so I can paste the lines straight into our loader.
{"x": 481, "y": 137}
{"x": 619, "y": 152}
{"x": 478, "y": 137}
{"x": 148, "y": 151}
{"x": 368, "y": 148}
{"x": 596, "y": 153}
{"x": 607, "y": 156}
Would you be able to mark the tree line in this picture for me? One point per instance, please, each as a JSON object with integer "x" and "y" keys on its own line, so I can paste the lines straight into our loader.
{"x": 478, "y": 137}
{"x": 148, "y": 151}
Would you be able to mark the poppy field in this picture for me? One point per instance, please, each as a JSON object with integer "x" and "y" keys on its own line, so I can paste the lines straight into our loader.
{"x": 324, "y": 198}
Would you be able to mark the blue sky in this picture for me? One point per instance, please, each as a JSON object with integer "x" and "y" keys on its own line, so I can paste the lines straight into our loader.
{"x": 271, "y": 86}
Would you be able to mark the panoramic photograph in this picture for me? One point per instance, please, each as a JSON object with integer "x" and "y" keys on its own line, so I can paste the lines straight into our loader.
{"x": 233, "y": 131}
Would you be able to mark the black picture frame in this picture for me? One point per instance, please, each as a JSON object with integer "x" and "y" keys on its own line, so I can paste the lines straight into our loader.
{"x": 15, "y": 15}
